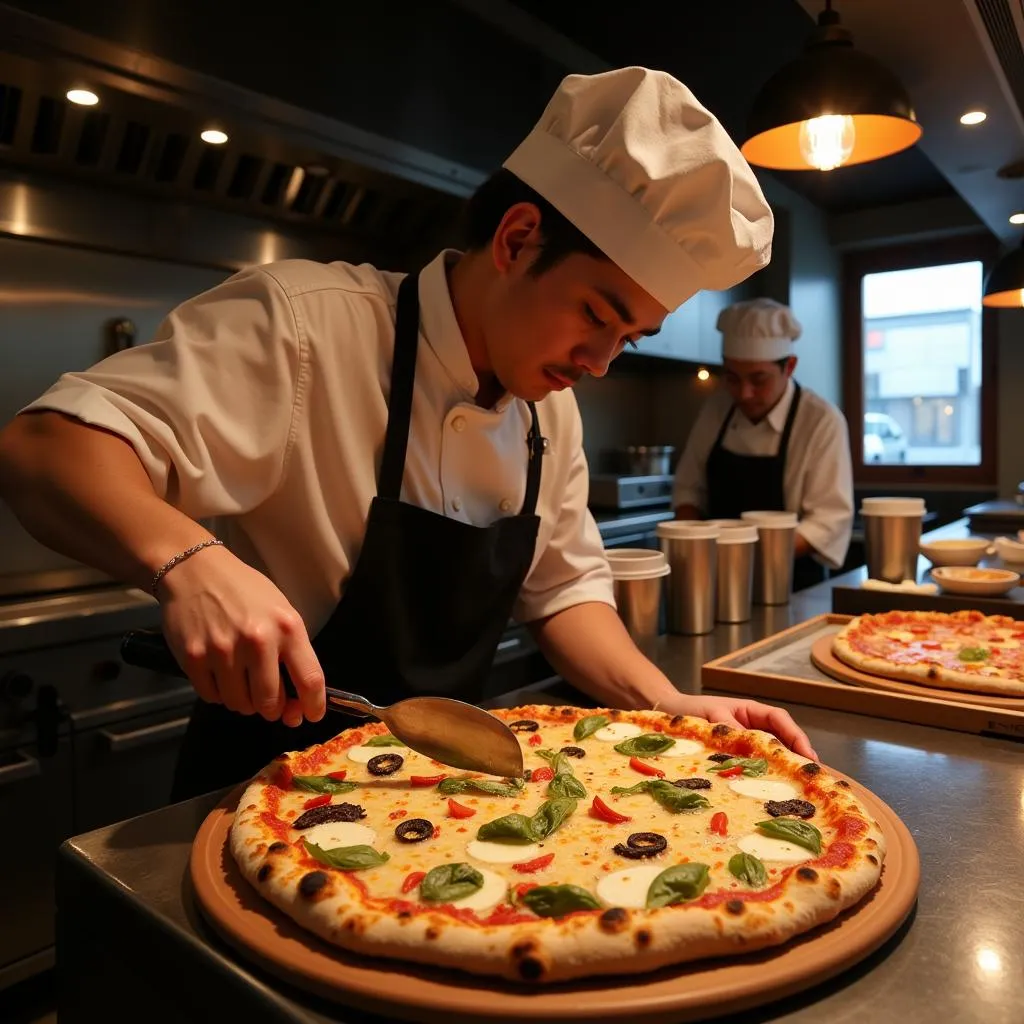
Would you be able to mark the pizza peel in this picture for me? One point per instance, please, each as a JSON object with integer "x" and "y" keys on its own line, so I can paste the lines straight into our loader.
{"x": 453, "y": 732}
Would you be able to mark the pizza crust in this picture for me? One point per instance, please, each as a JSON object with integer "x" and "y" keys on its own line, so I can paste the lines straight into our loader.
{"x": 542, "y": 950}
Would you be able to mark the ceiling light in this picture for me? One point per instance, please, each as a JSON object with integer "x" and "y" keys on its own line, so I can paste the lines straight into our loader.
{"x": 1017, "y": 218}
{"x": 831, "y": 107}
{"x": 1004, "y": 286}
{"x": 973, "y": 117}
{"x": 83, "y": 97}
{"x": 214, "y": 136}
{"x": 703, "y": 374}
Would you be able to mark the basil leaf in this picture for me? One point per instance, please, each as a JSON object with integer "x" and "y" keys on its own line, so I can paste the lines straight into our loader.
{"x": 508, "y": 828}
{"x": 454, "y": 786}
{"x": 557, "y": 760}
{"x": 384, "y": 741}
{"x": 450, "y": 882}
{"x": 751, "y": 766}
{"x": 551, "y": 815}
{"x": 567, "y": 786}
{"x": 588, "y": 726}
{"x": 640, "y": 787}
{"x": 747, "y": 868}
{"x": 792, "y": 830}
{"x": 558, "y": 900}
{"x": 974, "y": 654}
{"x": 678, "y": 884}
{"x": 648, "y": 744}
{"x": 347, "y": 858}
{"x": 323, "y": 784}
{"x": 672, "y": 798}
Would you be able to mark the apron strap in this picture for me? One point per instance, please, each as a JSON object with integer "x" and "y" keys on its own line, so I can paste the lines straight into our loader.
{"x": 724, "y": 427}
{"x": 403, "y": 376}
{"x": 537, "y": 446}
{"x": 790, "y": 420}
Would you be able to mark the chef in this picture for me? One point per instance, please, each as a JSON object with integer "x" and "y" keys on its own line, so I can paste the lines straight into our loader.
{"x": 395, "y": 462}
{"x": 765, "y": 443}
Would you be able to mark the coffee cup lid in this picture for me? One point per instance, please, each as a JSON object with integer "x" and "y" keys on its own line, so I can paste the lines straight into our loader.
{"x": 686, "y": 529}
{"x": 892, "y": 507}
{"x": 771, "y": 520}
{"x": 637, "y": 563}
{"x": 743, "y": 534}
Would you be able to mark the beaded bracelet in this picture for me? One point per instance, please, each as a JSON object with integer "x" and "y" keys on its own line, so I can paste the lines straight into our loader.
{"x": 180, "y": 557}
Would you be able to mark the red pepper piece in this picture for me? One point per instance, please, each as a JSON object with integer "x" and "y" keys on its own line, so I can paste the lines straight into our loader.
{"x": 337, "y": 776}
{"x": 542, "y": 775}
{"x": 523, "y": 888}
{"x": 644, "y": 768}
{"x": 426, "y": 780}
{"x": 719, "y": 823}
{"x": 731, "y": 773}
{"x": 537, "y": 864}
{"x": 535, "y": 740}
{"x": 413, "y": 880}
{"x": 599, "y": 809}
{"x": 317, "y": 801}
{"x": 457, "y": 810}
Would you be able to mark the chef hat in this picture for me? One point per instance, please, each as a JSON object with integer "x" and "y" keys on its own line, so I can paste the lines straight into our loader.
{"x": 651, "y": 178}
{"x": 758, "y": 330}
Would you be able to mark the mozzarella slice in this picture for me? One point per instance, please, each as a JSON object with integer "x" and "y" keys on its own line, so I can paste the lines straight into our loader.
{"x": 767, "y": 848}
{"x": 682, "y": 748}
{"x": 1006, "y": 645}
{"x": 763, "y": 789}
{"x": 502, "y": 853}
{"x": 493, "y": 892}
{"x": 900, "y": 634}
{"x": 628, "y": 888}
{"x": 332, "y": 834}
{"x": 363, "y": 754}
{"x": 615, "y": 732}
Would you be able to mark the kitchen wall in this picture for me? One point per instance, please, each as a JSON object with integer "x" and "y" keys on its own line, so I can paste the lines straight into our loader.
{"x": 1011, "y": 408}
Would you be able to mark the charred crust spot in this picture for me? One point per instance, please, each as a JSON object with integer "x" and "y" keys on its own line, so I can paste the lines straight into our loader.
{"x": 870, "y": 843}
{"x": 933, "y": 672}
{"x": 775, "y": 742}
{"x": 807, "y": 874}
{"x": 263, "y": 874}
{"x": 523, "y": 949}
{"x": 614, "y": 714}
{"x": 432, "y": 932}
{"x": 614, "y": 920}
{"x": 567, "y": 712}
{"x": 642, "y": 938}
{"x": 842, "y": 783}
{"x": 531, "y": 969}
{"x": 735, "y": 907}
{"x": 250, "y": 807}
{"x": 277, "y": 847}
{"x": 871, "y": 857}
{"x": 721, "y": 729}
{"x": 310, "y": 884}
{"x": 810, "y": 768}
{"x": 676, "y": 720}
{"x": 404, "y": 915}
{"x": 833, "y": 889}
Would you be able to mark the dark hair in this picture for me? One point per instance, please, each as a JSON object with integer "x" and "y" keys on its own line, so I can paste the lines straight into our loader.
{"x": 503, "y": 190}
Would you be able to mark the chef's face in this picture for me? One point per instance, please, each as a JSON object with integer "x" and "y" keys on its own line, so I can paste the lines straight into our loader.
{"x": 544, "y": 331}
{"x": 756, "y": 387}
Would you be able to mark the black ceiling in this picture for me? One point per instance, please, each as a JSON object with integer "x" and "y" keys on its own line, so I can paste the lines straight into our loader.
{"x": 724, "y": 50}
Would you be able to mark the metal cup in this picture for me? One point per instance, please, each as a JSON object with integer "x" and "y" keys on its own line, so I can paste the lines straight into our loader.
{"x": 637, "y": 580}
{"x": 690, "y": 550}
{"x": 892, "y": 537}
{"x": 735, "y": 556}
{"x": 773, "y": 559}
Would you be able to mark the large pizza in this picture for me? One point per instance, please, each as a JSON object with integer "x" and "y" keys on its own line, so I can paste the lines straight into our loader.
{"x": 636, "y": 840}
{"x": 963, "y": 650}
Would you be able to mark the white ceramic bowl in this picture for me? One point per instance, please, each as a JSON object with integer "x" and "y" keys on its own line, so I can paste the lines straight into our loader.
{"x": 980, "y": 582}
{"x": 1010, "y": 551}
{"x": 968, "y": 551}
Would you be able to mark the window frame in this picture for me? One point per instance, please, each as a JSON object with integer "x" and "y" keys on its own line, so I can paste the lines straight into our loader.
{"x": 855, "y": 266}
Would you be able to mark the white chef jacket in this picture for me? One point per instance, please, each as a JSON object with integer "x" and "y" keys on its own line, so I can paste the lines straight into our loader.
{"x": 264, "y": 401}
{"x": 818, "y": 477}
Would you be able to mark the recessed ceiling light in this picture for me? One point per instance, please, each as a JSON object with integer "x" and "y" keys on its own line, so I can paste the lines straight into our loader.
{"x": 703, "y": 374}
{"x": 214, "y": 136}
{"x": 1017, "y": 218}
{"x": 83, "y": 97}
{"x": 973, "y": 117}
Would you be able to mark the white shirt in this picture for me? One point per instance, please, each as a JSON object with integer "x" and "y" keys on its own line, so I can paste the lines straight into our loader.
{"x": 818, "y": 478}
{"x": 264, "y": 400}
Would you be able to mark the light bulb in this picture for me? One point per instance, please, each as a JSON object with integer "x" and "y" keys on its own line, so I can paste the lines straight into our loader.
{"x": 703, "y": 374}
{"x": 826, "y": 142}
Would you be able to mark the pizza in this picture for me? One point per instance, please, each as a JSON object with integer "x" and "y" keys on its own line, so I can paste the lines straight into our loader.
{"x": 963, "y": 650}
{"x": 636, "y": 840}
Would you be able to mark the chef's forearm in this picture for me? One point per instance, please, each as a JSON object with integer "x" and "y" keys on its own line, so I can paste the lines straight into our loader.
{"x": 590, "y": 648}
{"x": 802, "y": 546}
{"x": 84, "y": 492}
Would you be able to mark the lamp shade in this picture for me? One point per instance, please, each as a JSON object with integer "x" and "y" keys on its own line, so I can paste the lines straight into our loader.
{"x": 832, "y": 106}
{"x": 1004, "y": 287}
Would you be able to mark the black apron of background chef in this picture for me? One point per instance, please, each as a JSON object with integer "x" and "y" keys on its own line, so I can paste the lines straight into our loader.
{"x": 422, "y": 613}
{"x": 747, "y": 483}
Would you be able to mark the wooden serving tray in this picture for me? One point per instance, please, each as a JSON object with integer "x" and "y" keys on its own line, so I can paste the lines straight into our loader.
{"x": 410, "y": 992}
{"x": 781, "y": 667}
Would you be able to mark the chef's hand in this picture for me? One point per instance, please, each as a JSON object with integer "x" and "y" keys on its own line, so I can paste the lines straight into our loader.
{"x": 745, "y": 714}
{"x": 230, "y": 629}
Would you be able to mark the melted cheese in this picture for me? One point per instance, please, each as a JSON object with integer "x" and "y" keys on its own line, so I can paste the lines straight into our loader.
{"x": 494, "y": 891}
{"x": 502, "y": 853}
{"x": 628, "y": 888}
{"x": 763, "y": 789}
{"x": 363, "y": 754}
{"x": 333, "y": 834}
{"x": 900, "y": 634}
{"x": 1005, "y": 645}
{"x": 616, "y": 732}
{"x": 683, "y": 748}
{"x": 767, "y": 848}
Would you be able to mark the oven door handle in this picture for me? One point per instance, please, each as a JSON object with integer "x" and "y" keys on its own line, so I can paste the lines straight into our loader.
{"x": 116, "y": 742}
{"x": 28, "y": 767}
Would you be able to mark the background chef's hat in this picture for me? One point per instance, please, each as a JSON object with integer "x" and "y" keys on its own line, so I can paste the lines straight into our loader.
{"x": 651, "y": 178}
{"x": 758, "y": 330}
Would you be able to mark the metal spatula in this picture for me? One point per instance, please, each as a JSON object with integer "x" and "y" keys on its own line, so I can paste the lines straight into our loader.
{"x": 450, "y": 731}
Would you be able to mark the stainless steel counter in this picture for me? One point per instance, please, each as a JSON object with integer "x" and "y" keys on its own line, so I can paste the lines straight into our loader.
{"x": 132, "y": 944}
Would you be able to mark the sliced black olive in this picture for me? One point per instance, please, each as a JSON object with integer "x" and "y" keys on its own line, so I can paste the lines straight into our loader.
{"x": 719, "y": 757}
{"x": 641, "y": 844}
{"x": 385, "y": 764}
{"x": 329, "y": 812}
{"x": 692, "y": 783}
{"x": 414, "y": 830}
{"x": 524, "y": 725}
{"x": 796, "y": 808}
{"x": 573, "y": 752}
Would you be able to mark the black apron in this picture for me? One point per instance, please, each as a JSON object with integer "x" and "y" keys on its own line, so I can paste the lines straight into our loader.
{"x": 745, "y": 483}
{"x": 422, "y": 612}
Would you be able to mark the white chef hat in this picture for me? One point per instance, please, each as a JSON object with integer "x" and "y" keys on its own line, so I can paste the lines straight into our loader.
{"x": 758, "y": 330}
{"x": 652, "y": 179}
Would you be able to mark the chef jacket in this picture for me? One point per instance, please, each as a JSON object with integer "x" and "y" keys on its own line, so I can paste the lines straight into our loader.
{"x": 262, "y": 403}
{"x": 818, "y": 479}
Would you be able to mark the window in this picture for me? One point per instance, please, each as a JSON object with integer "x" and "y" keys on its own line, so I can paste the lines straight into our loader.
{"x": 919, "y": 348}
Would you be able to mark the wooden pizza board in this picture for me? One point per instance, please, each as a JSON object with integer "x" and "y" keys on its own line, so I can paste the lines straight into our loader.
{"x": 267, "y": 937}
{"x": 823, "y": 658}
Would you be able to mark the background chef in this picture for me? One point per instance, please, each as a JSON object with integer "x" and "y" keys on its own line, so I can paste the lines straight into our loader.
{"x": 398, "y": 460}
{"x": 766, "y": 443}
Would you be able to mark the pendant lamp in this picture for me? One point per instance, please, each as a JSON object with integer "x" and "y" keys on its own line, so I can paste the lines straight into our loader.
{"x": 831, "y": 107}
{"x": 1004, "y": 287}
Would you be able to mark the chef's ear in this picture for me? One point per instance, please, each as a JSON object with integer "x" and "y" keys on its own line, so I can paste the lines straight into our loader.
{"x": 518, "y": 238}
{"x": 790, "y": 366}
